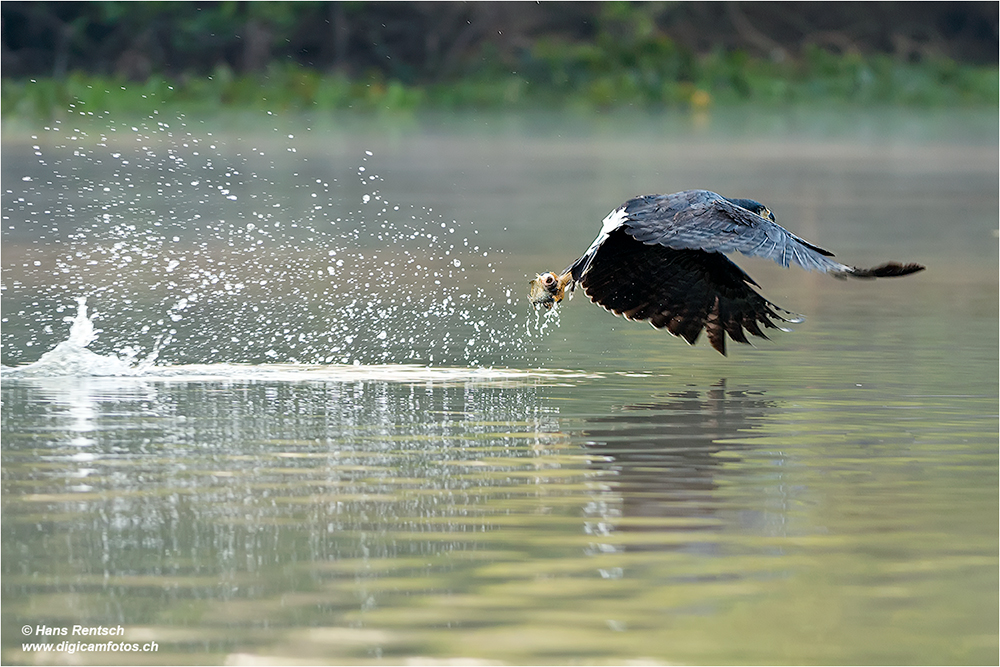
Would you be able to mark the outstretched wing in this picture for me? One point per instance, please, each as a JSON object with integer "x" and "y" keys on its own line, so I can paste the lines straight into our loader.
{"x": 703, "y": 220}
{"x": 683, "y": 290}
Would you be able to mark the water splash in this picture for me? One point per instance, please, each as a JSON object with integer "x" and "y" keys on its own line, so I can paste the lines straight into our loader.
{"x": 538, "y": 326}
{"x": 71, "y": 356}
{"x": 82, "y": 332}
{"x": 244, "y": 251}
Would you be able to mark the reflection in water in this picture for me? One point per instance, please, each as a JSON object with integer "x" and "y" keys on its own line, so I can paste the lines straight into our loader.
{"x": 227, "y": 505}
{"x": 226, "y": 508}
{"x": 245, "y": 521}
{"x": 662, "y": 459}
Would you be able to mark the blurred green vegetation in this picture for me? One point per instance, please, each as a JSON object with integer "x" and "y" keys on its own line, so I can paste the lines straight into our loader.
{"x": 152, "y": 54}
{"x": 557, "y": 76}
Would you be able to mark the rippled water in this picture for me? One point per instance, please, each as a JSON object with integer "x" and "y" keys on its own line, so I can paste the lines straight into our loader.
{"x": 587, "y": 490}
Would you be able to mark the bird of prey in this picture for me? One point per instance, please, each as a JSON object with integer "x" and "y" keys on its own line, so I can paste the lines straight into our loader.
{"x": 661, "y": 258}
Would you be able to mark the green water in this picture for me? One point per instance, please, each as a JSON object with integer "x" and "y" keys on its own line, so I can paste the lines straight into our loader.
{"x": 829, "y": 496}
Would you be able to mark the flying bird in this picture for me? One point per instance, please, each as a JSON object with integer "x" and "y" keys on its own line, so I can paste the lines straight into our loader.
{"x": 661, "y": 258}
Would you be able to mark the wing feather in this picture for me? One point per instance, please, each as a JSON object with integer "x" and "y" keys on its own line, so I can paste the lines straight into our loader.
{"x": 704, "y": 220}
{"x": 684, "y": 291}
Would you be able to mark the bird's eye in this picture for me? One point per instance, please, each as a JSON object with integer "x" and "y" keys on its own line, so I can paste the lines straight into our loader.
{"x": 549, "y": 279}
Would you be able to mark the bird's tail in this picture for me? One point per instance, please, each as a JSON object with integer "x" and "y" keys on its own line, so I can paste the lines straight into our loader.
{"x": 887, "y": 270}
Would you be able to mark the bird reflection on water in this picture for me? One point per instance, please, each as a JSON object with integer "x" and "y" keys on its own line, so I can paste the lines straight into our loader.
{"x": 663, "y": 460}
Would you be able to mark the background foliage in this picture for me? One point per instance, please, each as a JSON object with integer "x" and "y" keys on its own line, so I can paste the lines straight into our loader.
{"x": 450, "y": 54}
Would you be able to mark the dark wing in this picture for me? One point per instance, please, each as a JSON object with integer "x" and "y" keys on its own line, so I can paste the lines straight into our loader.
{"x": 703, "y": 220}
{"x": 682, "y": 290}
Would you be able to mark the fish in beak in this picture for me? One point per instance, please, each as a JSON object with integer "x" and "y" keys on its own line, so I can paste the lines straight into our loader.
{"x": 548, "y": 289}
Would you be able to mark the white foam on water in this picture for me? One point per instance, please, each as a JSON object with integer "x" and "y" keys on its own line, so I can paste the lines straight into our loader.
{"x": 397, "y": 373}
{"x": 71, "y": 358}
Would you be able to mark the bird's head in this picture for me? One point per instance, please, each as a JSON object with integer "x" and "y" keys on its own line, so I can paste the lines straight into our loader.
{"x": 754, "y": 207}
{"x": 548, "y": 289}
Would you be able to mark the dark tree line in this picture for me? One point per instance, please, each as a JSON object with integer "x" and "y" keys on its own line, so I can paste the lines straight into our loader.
{"x": 421, "y": 42}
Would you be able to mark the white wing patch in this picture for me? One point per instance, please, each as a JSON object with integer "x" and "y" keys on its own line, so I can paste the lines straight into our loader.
{"x": 613, "y": 221}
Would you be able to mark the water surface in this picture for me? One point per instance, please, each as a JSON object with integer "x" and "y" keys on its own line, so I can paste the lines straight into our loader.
{"x": 580, "y": 490}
